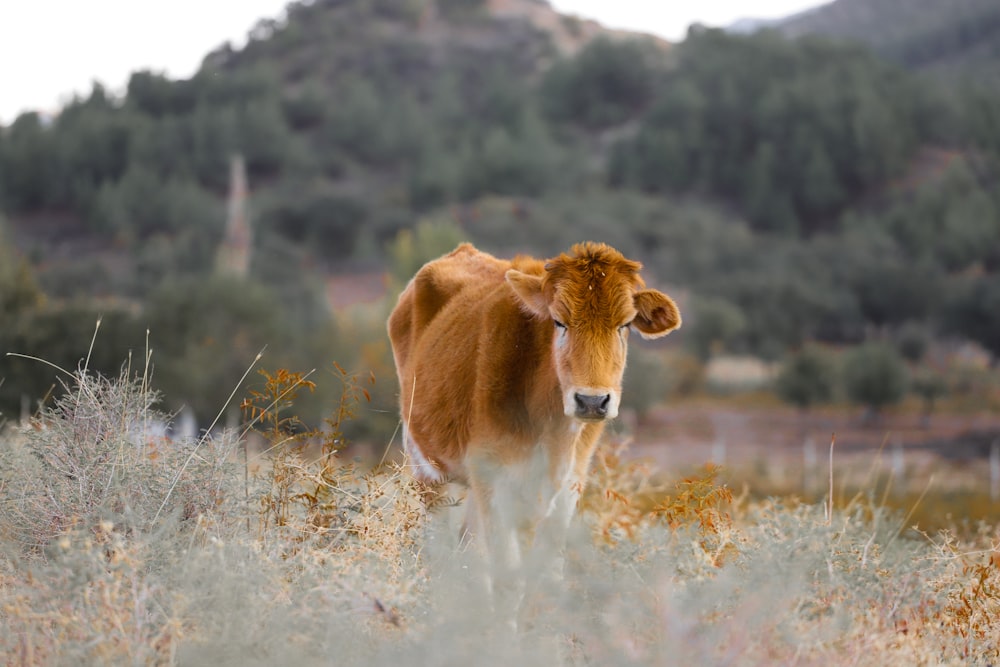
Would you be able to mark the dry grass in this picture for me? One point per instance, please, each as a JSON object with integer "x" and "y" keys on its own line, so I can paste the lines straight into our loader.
{"x": 314, "y": 561}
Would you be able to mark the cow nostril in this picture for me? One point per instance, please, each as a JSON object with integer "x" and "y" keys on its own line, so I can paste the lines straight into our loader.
{"x": 592, "y": 406}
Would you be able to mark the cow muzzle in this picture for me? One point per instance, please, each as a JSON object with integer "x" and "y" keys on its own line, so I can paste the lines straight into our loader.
{"x": 596, "y": 406}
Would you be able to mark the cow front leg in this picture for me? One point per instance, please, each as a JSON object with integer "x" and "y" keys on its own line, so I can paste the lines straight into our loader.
{"x": 547, "y": 550}
{"x": 498, "y": 527}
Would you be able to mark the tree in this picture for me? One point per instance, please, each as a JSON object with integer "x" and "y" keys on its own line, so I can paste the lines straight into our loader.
{"x": 912, "y": 340}
{"x": 521, "y": 161}
{"x": 974, "y": 312}
{"x": 929, "y": 386}
{"x": 26, "y": 164}
{"x": 790, "y": 132}
{"x": 715, "y": 323}
{"x": 142, "y": 204}
{"x": 647, "y": 380}
{"x": 875, "y": 376}
{"x": 413, "y": 248}
{"x": 607, "y": 83}
{"x": 206, "y": 332}
{"x": 317, "y": 214}
{"x": 19, "y": 291}
{"x": 807, "y": 377}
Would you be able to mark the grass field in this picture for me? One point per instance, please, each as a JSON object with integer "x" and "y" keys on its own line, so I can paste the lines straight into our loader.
{"x": 119, "y": 547}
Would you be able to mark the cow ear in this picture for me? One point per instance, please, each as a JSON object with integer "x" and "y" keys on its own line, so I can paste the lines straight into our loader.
{"x": 528, "y": 289}
{"x": 657, "y": 314}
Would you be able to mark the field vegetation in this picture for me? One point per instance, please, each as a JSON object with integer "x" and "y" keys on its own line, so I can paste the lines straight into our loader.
{"x": 824, "y": 211}
{"x": 790, "y": 191}
{"x": 121, "y": 548}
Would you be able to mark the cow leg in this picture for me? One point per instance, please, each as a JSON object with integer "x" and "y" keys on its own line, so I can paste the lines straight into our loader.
{"x": 552, "y": 530}
{"x": 497, "y": 507}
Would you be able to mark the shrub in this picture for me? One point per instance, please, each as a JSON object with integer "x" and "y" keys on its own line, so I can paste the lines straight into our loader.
{"x": 715, "y": 324}
{"x": 648, "y": 380}
{"x": 99, "y": 456}
{"x": 607, "y": 83}
{"x": 658, "y": 571}
{"x": 806, "y": 378}
{"x": 875, "y": 376}
{"x": 413, "y": 248}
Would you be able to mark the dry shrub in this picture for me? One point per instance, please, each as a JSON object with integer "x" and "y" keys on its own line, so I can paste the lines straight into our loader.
{"x": 331, "y": 563}
{"x": 968, "y": 616}
{"x": 624, "y": 496}
{"x": 318, "y": 510}
{"x": 92, "y": 602}
{"x": 325, "y": 498}
{"x": 99, "y": 453}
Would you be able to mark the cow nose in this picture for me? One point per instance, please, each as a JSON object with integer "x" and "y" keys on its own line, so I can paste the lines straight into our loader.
{"x": 592, "y": 407}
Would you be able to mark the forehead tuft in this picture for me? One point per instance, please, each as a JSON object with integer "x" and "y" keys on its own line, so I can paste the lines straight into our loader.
{"x": 593, "y": 283}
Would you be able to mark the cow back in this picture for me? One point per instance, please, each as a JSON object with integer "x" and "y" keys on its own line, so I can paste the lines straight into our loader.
{"x": 457, "y": 334}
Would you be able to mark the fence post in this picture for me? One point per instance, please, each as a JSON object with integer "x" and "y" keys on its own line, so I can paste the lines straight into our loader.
{"x": 719, "y": 451}
{"x": 808, "y": 463}
{"x": 995, "y": 471}
{"x": 898, "y": 464}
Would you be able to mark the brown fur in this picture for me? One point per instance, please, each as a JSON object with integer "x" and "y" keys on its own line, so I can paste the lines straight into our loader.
{"x": 488, "y": 380}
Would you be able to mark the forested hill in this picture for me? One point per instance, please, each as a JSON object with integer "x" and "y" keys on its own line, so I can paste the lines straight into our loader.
{"x": 795, "y": 190}
{"x": 956, "y": 38}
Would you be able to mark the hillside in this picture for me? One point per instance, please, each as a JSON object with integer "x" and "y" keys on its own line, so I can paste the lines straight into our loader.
{"x": 959, "y": 38}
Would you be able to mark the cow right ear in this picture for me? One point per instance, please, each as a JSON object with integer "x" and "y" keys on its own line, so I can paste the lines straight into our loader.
{"x": 528, "y": 289}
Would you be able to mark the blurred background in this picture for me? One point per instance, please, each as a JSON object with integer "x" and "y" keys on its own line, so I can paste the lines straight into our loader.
{"x": 817, "y": 189}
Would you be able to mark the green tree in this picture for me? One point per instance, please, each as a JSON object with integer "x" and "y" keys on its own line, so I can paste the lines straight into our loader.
{"x": 205, "y": 332}
{"x": 606, "y": 83}
{"x": 263, "y": 137}
{"x": 505, "y": 162}
{"x": 875, "y": 376}
{"x": 894, "y": 290}
{"x": 807, "y": 377}
{"x": 929, "y": 385}
{"x": 790, "y": 132}
{"x": 142, "y": 204}
{"x": 156, "y": 95}
{"x": 317, "y": 214}
{"x": 912, "y": 340}
{"x": 715, "y": 324}
{"x": 647, "y": 381}
{"x": 973, "y": 312}
{"x": 413, "y": 248}
{"x": 27, "y": 164}
{"x": 308, "y": 107}
{"x": 19, "y": 291}
{"x": 821, "y": 192}
{"x": 61, "y": 335}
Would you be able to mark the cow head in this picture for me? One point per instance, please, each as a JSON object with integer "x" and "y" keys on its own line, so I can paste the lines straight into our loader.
{"x": 593, "y": 297}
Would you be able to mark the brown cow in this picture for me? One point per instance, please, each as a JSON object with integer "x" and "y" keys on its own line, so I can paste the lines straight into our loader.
{"x": 508, "y": 371}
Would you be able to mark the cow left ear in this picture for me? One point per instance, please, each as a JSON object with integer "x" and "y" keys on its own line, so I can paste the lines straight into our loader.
{"x": 657, "y": 314}
{"x": 528, "y": 289}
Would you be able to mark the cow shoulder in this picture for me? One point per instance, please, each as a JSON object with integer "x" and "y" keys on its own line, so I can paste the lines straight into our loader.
{"x": 465, "y": 269}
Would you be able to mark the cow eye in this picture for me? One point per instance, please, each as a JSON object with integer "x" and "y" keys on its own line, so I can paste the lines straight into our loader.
{"x": 559, "y": 325}
{"x": 624, "y": 326}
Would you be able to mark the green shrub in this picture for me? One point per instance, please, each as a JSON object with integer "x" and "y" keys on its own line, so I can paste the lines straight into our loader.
{"x": 875, "y": 376}
{"x": 807, "y": 377}
{"x": 648, "y": 380}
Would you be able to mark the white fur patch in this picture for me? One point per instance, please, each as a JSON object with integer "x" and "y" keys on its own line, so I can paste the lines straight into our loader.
{"x": 420, "y": 466}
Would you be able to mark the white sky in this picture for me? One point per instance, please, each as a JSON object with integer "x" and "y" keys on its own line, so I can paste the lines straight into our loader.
{"x": 51, "y": 49}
